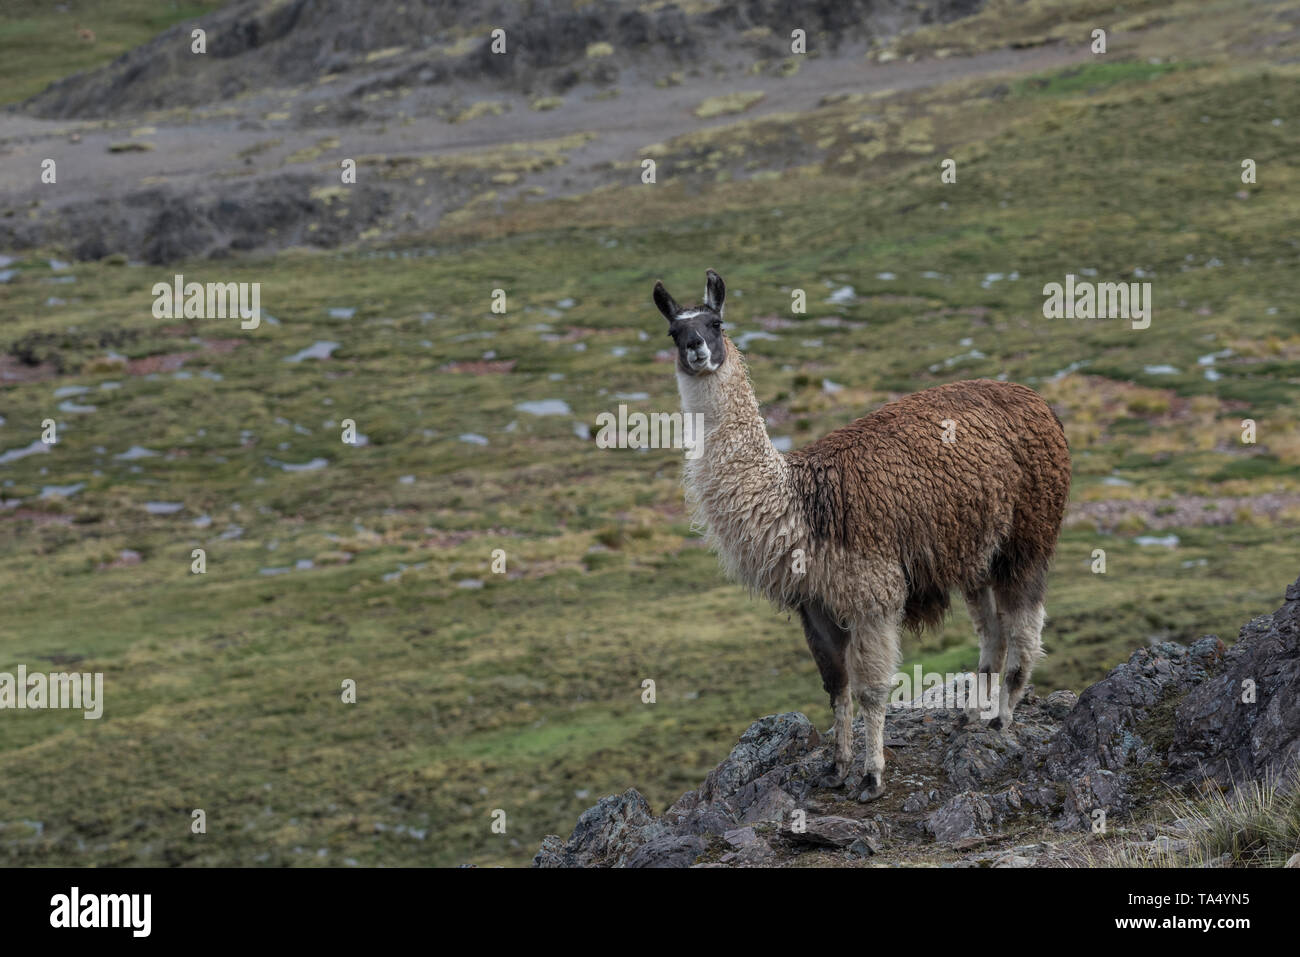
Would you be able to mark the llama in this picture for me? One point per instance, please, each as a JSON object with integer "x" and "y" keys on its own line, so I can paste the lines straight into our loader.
{"x": 867, "y": 530}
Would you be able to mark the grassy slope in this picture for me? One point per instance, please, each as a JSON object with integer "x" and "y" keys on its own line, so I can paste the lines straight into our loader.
{"x": 40, "y": 43}
{"x": 223, "y": 689}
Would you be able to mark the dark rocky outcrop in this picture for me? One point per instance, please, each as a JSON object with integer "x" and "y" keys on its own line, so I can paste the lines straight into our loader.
{"x": 1244, "y": 722}
{"x": 1169, "y": 716}
{"x": 256, "y": 44}
{"x": 164, "y": 224}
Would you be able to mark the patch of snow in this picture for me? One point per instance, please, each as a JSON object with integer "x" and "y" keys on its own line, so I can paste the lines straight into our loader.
{"x": 545, "y": 407}
{"x": 321, "y": 349}
{"x": 135, "y": 452}
{"x": 66, "y": 491}
{"x": 13, "y": 455}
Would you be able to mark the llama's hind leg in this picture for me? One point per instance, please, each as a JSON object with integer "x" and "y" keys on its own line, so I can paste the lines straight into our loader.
{"x": 983, "y": 608}
{"x": 1023, "y": 627}
{"x": 873, "y": 661}
{"x": 829, "y": 643}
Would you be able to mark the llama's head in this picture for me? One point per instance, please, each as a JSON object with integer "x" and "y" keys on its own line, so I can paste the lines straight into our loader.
{"x": 697, "y": 330}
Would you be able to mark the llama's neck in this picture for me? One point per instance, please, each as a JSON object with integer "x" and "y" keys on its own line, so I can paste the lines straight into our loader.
{"x": 735, "y": 435}
{"x": 738, "y": 486}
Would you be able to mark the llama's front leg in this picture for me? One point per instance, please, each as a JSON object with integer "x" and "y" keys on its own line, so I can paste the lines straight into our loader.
{"x": 843, "y": 704}
{"x": 829, "y": 643}
{"x": 873, "y": 656}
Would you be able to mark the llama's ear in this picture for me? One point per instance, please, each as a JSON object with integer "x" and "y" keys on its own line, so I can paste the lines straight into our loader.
{"x": 715, "y": 291}
{"x": 665, "y": 302}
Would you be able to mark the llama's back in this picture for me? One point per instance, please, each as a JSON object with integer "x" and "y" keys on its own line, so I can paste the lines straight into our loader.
{"x": 964, "y": 484}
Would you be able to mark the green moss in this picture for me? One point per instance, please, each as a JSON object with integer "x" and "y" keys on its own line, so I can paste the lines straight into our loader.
{"x": 1095, "y": 77}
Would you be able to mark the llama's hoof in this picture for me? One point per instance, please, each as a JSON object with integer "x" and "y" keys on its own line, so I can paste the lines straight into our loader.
{"x": 873, "y": 786}
{"x": 996, "y": 723}
{"x": 963, "y": 719}
{"x": 832, "y": 775}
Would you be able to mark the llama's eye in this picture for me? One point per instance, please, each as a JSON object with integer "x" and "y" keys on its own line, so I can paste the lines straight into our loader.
{"x": 717, "y": 325}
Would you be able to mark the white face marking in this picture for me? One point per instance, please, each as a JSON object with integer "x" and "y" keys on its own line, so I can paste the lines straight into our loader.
{"x": 706, "y": 365}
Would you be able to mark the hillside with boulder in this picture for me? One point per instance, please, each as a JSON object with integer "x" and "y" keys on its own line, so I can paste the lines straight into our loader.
{"x": 1172, "y": 716}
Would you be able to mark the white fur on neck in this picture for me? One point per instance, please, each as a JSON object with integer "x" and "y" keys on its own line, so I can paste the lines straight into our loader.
{"x": 738, "y": 488}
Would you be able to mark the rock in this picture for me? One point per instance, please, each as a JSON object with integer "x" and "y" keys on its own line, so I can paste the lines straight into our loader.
{"x": 865, "y": 846}
{"x": 1013, "y": 860}
{"x": 551, "y": 853}
{"x": 966, "y": 815}
{"x": 1060, "y": 703}
{"x": 751, "y": 848}
{"x": 1090, "y": 792}
{"x": 760, "y": 790}
{"x": 605, "y": 834}
{"x": 1162, "y": 844}
{"x": 773, "y": 805}
{"x": 1023, "y": 796}
{"x": 1102, "y": 730}
{"x": 1179, "y": 710}
{"x": 830, "y": 831}
{"x": 976, "y": 757}
{"x": 707, "y": 819}
{"x": 740, "y": 836}
{"x": 755, "y": 852}
{"x": 775, "y": 739}
{"x": 916, "y": 801}
{"x": 1243, "y": 723}
{"x": 668, "y": 850}
{"x": 1293, "y": 861}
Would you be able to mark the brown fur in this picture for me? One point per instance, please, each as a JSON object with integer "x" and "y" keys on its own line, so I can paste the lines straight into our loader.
{"x": 888, "y": 517}
{"x": 984, "y": 509}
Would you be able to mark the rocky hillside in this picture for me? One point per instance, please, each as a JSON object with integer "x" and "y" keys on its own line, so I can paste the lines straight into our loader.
{"x": 253, "y": 45}
{"x": 166, "y": 154}
{"x": 1171, "y": 716}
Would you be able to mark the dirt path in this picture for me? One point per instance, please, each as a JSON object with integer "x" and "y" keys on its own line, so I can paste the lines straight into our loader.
{"x": 244, "y": 143}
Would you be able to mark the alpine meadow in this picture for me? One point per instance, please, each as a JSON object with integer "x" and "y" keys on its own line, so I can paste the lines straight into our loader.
{"x": 356, "y": 469}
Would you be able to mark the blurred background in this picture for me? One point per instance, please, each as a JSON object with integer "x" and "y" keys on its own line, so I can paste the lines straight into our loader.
{"x": 519, "y": 688}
